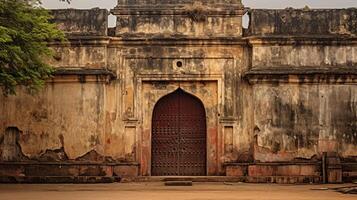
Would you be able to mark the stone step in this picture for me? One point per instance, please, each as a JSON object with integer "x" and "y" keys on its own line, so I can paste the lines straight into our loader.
{"x": 246, "y": 179}
{"x": 59, "y": 179}
{"x": 178, "y": 183}
{"x": 183, "y": 178}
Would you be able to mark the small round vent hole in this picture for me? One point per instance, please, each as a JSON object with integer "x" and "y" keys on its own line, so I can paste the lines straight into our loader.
{"x": 179, "y": 64}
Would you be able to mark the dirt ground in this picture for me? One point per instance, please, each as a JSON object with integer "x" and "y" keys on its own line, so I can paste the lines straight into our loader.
{"x": 157, "y": 191}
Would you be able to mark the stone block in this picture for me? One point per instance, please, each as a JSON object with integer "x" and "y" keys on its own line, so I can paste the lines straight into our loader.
{"x": 261, "y": 170}
{"x": 126, "y": 170}
{"x": 296, "y": 170}
{"x": 334, "y": 175}
{"x": 236, "y": 170}
{"x": 11, "y": 170}
{"x": 51, "y": 170}
{"x": 178, "y": 183}
{"x": 286, "y": 170}
{"x": 309, "y": 170}
{"x": 95, "y": 170}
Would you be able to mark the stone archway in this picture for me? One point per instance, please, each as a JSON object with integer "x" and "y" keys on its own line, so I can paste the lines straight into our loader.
{"x": 179, "y": 131}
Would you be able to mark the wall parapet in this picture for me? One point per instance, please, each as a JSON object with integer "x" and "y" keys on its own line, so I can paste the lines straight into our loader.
{"x": 183, "y": 18}
{"x": 286, "y": 40}
{"x": 337, "y": 22}
{"x": 90, "y": 22}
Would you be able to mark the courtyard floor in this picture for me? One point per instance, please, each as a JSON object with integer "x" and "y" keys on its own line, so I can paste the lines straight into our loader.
{"x": 157, "y": 191}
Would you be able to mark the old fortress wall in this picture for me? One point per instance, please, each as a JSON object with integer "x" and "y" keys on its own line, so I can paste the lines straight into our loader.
{"x": 280, "y": 96}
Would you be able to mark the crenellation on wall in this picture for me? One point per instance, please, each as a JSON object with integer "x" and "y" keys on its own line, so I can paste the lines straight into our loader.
{"x": 299, "y": 22}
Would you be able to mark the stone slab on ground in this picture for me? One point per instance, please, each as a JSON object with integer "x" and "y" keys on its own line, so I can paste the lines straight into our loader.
{"x": 347, "y": 190}
{"x": 178, "y": 183}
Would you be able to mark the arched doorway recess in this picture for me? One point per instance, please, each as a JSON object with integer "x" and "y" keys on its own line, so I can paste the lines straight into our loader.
{"x": 179, "y": 136}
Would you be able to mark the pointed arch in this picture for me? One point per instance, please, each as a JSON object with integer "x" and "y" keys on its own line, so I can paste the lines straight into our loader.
{"x": 179, "y": 146}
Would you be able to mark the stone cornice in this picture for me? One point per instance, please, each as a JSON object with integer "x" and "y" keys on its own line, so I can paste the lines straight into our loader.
{"x": 78, "y": 40}
{"x": 71, "y": 74}
{"x": 302, "y": 75}
{"x": 135, "y": 40}
{"x": 301, "y": 40}
{"x": 84, "y": 71}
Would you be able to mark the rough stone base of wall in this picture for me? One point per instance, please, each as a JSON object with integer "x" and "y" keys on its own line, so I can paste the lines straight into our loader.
{"x": 66, "y": 172}
{"x": 233, "y": 179}
{"x": 292, "y": 172}
{"x": 282, "y": 173}
{"x": 349, "y": 172}
{"x": 59, "y": 179}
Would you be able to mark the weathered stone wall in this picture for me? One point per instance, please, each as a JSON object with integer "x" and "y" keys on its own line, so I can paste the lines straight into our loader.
{"x": 177, "y": 19}
{"x": 275, "y": 100}
{"x": 316, "y": 22}
{"x": 151, "y": 72}
{"x": 92, "y": 22}
{"x": 89, "y": 56}
{"x": 323, "y": 55}
{"x": 302, "y": 121}
{"x": 305, "y": 97}
{"x": 66, "y": 120}
{"x": 303, "y": 78}
{"x": 64, "y": 116}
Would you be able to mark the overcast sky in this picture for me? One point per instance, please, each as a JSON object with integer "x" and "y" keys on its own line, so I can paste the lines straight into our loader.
{"x": 108, "y": 4}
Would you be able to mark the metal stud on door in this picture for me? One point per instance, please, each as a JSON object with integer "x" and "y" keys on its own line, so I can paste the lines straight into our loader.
{"x": 179, "y": 136}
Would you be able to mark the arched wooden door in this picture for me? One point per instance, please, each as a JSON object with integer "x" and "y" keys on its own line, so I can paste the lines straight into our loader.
{"x": 178, "y": 136}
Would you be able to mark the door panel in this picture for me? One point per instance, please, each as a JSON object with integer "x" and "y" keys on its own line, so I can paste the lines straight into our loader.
{"x": 179, "y": 136}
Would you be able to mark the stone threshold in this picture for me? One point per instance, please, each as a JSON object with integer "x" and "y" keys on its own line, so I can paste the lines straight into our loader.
{"x": 230, "y": 179}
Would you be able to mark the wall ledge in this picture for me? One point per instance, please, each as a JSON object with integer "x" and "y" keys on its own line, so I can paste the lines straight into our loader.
{"x": 82, "y": 75}
{"x": 301, "y": 40}
{"x": 302, "y": 75}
